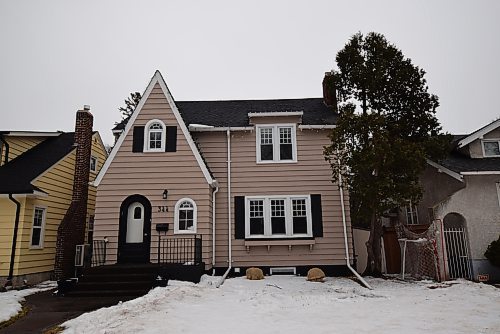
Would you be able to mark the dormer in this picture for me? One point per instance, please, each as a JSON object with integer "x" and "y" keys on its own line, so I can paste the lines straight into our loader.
{"x": 483, "y": 143}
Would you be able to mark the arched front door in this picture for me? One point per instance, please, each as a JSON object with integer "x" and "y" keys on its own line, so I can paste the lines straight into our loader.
{"x": 457, "y": 246}
{"x": 134, "y": 238}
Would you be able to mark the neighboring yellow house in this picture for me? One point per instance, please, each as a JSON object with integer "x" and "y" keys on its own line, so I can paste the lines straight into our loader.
{"x": 36, "y": 178}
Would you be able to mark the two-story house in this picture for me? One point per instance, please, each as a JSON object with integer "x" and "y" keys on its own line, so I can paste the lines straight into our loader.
{"x": 37, "y": 173}
{"x": 244, "y": 181}
{"x": 463, "y": 192}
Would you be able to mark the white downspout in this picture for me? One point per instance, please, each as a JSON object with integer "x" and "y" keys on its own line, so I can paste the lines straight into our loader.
{"x": 346, "y": 244}
{"x": 213, "y": 228}
{"x": 230, "y": 254}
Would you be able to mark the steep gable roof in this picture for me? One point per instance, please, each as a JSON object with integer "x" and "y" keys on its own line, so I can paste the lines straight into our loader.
{"x": 17, "y": 174}
{"x": 157, "y": 79}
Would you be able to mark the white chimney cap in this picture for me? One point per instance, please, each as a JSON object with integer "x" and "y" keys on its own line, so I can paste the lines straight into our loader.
{"x": 86, "y": 107}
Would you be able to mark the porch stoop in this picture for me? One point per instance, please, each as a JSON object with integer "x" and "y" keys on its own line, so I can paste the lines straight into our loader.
{"x": 115, "y": 280}
{"x": 132, "y": 280}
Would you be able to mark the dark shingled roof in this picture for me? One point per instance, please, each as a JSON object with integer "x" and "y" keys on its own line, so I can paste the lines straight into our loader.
{"x": 235, "y": 113}
{"x": 458, "y": 162}
{"x": 17, "y": 174}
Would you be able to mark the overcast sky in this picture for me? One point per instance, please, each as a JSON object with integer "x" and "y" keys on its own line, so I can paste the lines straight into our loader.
{"x": 56, "y": 56}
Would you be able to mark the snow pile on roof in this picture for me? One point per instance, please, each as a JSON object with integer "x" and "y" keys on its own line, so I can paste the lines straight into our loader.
{"x": 10, "y": 301}
{"x": 284, "y": 304}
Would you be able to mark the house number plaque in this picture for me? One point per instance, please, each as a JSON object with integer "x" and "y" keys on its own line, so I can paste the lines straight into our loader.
{"x": 163, "y": 208}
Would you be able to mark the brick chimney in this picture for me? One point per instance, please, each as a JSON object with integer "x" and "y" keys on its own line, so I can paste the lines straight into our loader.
{"x": 71, "y": 231}
{"x": 329, "y": 91}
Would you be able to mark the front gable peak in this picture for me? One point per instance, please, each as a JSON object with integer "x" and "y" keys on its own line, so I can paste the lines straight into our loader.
{"x": 156, "y": 81}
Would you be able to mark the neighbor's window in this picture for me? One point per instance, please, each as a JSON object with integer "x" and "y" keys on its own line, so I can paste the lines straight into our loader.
{"x": 93, "y": 164}
{"x": 276, "y": 143}
{"x": 491, "y": 148}
{"x": 154, "y": 140}
{"x": 278, "y": 217}
{"x": 38, "y": 227}
{"x": 185, "y": 216}
{"x": 411, "y": 214}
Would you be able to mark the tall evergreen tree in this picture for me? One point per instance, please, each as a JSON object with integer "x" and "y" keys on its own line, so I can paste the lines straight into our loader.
{"x": 131, "y": 103}
{"x": 386, "y": 130}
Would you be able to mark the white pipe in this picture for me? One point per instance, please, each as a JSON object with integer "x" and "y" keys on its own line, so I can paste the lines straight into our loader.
{"x": 346, "y": 244}
{"x": 230, "y": 255}
{"x": 213, "y": 229}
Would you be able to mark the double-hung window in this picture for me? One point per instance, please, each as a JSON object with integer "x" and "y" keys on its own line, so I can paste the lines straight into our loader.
{"x": 411, "y": 214}
{"x": 38, "y": 227}
{"x": 93, "y": 164}
{"x": 154, "y": 136}
{"x": 278, "y": 217}
{"x": 491, "y": 148}
{"x": 276, "y": 143}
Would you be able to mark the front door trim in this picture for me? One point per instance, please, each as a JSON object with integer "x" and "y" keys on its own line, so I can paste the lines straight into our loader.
{"x": 135, "y": 252}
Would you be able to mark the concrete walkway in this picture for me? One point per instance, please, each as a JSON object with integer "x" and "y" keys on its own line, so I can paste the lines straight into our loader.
{"x": 47, "y": 311}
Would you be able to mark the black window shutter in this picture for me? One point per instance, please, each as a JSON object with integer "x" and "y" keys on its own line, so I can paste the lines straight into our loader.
{"x": 138, "y": 139}
{"x": 317, "y": 216}
{"x": 171, "y": 145}
{"x": 239, "y": 217}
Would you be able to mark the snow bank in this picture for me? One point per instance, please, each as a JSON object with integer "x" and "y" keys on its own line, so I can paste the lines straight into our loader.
{"x": 10, "y": 301}
{"x": 283, "y": 304}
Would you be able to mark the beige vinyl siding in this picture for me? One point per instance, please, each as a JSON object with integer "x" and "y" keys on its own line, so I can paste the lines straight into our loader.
{"x": 149, "y": 174}
{"x": 310, "y": 175}
{"x": 19, "y": 145}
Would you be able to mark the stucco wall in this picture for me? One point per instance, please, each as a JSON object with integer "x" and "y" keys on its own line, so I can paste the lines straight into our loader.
{"x": 479, "y": 204}
{"x": 437, "y": 187}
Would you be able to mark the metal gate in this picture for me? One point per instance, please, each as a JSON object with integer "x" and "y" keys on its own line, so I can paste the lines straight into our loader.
{"x": 457, "y": 249}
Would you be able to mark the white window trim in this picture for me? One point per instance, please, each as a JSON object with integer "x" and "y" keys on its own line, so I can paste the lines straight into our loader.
{"x": 490, "y": 141}
{"x": 413, "y": 211}
{"x": 176, "y": 217}
{"x": 95, "y": 165}
{"x": 288, "y": 217}
{"x": 146, "y": 136}
{"x": 276, "y": 144}
{"x": 42, "y": 228}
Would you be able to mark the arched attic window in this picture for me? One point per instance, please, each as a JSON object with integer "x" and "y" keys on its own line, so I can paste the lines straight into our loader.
{"x": 154, "y": 136}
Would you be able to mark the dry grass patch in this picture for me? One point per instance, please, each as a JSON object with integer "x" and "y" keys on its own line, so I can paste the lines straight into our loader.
{"x": 24, "y": 310}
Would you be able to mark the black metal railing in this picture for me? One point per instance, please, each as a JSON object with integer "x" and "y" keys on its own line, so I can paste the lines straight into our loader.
{"x": 185, "y": 250}
{"x": 98, "y": 253}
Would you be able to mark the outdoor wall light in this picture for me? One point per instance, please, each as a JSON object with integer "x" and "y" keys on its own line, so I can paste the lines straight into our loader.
{"x": 165, "y": 194}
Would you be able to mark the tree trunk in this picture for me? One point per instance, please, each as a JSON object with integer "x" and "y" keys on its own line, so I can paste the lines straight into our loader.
{"x": 374, "y": 248}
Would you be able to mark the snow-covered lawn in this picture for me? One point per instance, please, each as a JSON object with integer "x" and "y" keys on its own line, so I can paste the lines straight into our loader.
{"x": 10, "y": 301}
{"x": 282, "y": 304}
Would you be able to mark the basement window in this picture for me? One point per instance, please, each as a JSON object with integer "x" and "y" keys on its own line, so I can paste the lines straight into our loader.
{"x": 37, "y": 230}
